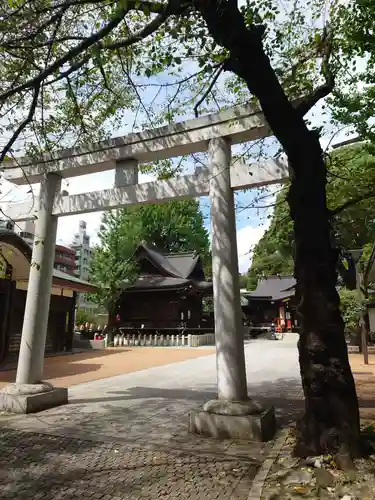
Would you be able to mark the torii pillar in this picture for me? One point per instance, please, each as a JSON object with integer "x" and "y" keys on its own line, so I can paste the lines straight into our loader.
{"x": 233, "y": 414}
{"x": 30, "y": 394}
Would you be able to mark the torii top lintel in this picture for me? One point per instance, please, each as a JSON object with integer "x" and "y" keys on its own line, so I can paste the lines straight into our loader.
{"x": 238, "y": 123}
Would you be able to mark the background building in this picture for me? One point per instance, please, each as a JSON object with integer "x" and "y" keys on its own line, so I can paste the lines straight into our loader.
{"x": 65, "y": 260}
{"x": 81, "y": 246}
{"x": 26, "y": 230}
{"x": 83, "y": 252}
{"x": 73, "y": 259}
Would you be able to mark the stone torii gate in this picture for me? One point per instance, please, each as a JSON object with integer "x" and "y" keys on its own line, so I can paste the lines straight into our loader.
{"x": 233, "y": 413}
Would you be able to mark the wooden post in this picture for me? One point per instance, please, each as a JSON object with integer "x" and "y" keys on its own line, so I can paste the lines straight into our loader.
{"x": 364, "y": 338}
{"x": 363, "y": 324}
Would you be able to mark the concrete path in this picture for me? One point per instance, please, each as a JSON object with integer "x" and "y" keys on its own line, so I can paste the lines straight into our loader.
{"x": 130, "y": 432}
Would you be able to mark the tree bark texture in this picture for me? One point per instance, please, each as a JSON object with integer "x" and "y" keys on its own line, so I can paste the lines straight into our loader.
{"x": 331, "y": 420}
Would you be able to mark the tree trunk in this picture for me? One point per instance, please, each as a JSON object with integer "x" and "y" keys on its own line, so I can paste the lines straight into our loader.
{"x": 331, "y": 420}
{"x": 112, "y": 323}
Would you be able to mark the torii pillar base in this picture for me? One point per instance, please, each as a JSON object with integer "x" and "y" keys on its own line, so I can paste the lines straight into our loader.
{"x": 31, "y": 398}
{"x": 246, "y": 421}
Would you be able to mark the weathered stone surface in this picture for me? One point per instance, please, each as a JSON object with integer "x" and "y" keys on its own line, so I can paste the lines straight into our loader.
{"x": 97, "y": 344}
{"x": 259, "y": 427}
{"x": 40, "y": 467}
{"x": 27, "y": 389}
{"x": 298, "y": 477}
{"x": 13, "y": 402}
{"x": 235, "y": 408}
{"x": 318, "y": 463}
{"x": 289, "y": 462}
{"x": 324, "y": 478}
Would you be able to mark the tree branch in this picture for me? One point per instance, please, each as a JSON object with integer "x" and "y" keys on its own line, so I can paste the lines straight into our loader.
{"x": 48, "y": 43}
{"x": 350, "y": 203}
{"x": 42, "y": 27}
{"x": 210, "y": 87}
{"x": 327, "y": 87}
{"x": 155, "y": 7}
{"x": 172, "y": 7}
{"x": 76, "y": 104}
{"x": 76, "y": 51}
{"x": 21, "y": 127}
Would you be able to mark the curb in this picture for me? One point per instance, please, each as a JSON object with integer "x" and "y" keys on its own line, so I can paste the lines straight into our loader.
{"x": 255, "y": 492}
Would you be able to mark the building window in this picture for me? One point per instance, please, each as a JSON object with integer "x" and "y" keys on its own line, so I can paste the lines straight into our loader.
{"x": 25, "y": 234}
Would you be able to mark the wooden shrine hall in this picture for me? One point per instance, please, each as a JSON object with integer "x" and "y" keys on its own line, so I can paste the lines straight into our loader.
{"x": 15, "y": 263}
{"x": 168, "y": 293}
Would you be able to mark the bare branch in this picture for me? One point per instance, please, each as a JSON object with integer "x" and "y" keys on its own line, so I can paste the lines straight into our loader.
{"x": 76, "y": 104}
{"x": 69, "y": 71}
{"x": 210, "y": 87}
{"x": 323, "y": 90}
{"x": 22, "y": 125}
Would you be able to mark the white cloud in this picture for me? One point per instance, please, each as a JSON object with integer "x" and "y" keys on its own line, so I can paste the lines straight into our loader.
{"x": 87, "y": 183}
{"x": 247, "y": 238}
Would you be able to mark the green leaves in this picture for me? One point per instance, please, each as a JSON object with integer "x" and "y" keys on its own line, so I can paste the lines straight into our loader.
{"x": 351, "y": 174}
{"x": 353, "y": 102}
{"x": 350, "y": 308}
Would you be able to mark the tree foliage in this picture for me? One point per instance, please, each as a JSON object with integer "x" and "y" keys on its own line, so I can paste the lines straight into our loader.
{"x": 176, "y": 226}
{"x": 351, "y": 309}
{"x": 353, "y": 100}
{"x": 153, "y": 60}
{"x": 350, "y": 193}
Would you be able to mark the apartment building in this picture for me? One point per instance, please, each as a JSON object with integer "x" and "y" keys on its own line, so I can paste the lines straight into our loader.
{"x": 65, "y": 258}
{"x": 83, "y": 252}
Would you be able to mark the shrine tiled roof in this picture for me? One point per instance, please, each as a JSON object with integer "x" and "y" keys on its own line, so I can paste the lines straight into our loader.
{"x": 148, "y": 282}
{"x": 178, "y": 265}
{"x": 273, "y": 288}
{"x": 170, "y": 271}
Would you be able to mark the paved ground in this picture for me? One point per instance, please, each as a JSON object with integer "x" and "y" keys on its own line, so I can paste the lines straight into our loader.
{"x": 126, "y": 437}
{"x": 365, "y": 383}
{"x": 68, "y": 370}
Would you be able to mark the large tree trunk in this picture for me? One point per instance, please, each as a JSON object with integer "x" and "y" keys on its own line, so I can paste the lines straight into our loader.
{"x": 331, "y": 420}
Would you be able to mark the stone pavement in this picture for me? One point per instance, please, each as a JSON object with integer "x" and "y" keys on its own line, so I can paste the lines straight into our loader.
{"x": 126, "y": 437}
{"x": 72, "y": 369}
{"x": 40, "y": 467}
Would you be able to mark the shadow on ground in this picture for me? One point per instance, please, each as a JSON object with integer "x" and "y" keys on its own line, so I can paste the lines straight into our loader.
{"x": 58, "y": 370}
{"x": 57, "y": 367}
{"x": 283, "y": 394}
{"x": 45, "y": 467}
{"x": 65, "y": 357}
{"x": 133, "y": 444}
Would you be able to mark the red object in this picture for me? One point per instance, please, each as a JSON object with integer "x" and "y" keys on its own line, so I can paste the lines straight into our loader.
{"x": 289, "y": 324}
{"x": 118, "y": 317}
{"x": 98, "y": 336}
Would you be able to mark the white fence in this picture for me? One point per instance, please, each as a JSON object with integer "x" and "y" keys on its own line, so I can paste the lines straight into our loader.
{"x": 162, "y": 340}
